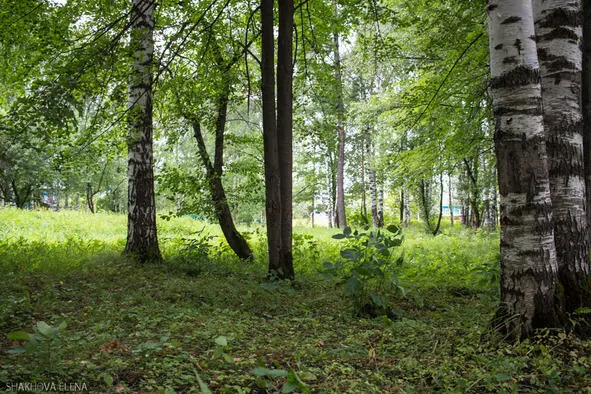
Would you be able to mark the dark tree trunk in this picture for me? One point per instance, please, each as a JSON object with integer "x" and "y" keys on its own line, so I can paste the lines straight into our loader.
{"x": 21, "y": 196}
{"x": 271, "y": 155}
{"x": 142, "y": 240}
{"x": 436, "y": 231}
{"x": 277, "y": 135}
{"x": 476, "y": 220}
{"x": 425, "y": 194}
{"x": 216, "y": 188}
{"x": 402, "y": 196}
{"x": 89, "y": 197}
{"x": 451, "y": 205}
{"x": 363, "y": 185}
{"x": 285, "y": 132}
{"x": 340, "y": 202}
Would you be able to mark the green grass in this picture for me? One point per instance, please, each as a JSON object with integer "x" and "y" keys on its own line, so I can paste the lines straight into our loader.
{"x": 204, "y": 313}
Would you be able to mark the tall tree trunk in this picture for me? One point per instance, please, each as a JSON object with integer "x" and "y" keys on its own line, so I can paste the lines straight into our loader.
{"x": 425, "y": 195}
{"x": 380, "y": 205}
{"x": 142, "y": 240}
{"x": 401, "y": 213}
{"x": 271, "y": 155}
{"x": 528, "y": 255}
{"x": 586, "y": 105}
{"x": 406, "y": 219}
{"x": 216, "y": 188}
{"x": 363, "y": 184}
{"x": 475, "y": 194}
{"x": 340, "y": 202}
{"x": 559, "y": 36}
{"x": 438, "y": 225}
{"x": 89, "y": 197}
{"x": 277, "y": 135}
{"x": 451, "y": 205}
{"x": 285, "y": 132}
{"x": 373, "y": 197}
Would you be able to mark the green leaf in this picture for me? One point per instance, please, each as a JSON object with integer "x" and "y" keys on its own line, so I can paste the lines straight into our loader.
{"x": 108, "y": 379}
{"x": 347, "y": 231}
{"x": 19, "y": 336}
{"x": 221, "y": 341}
{"x": 272, "y": 373}
{"x": 44, "y": 329}
{"x": 394, "y": 229}
{"x": 17, "y": 350}
{"x": 228, "y": 358}
{"x": 62, "y": 326}
{"x": 204, "y": 388}
{"x": 339, "y": 236}
{"x": 350, "y": 254}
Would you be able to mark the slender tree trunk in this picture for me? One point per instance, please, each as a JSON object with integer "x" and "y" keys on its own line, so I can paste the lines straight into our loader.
{"x": 586, "y": 105}
{"x": 401, "y": 213}
{"x": 271, "y": 155}
{"x": 285, "y": 132}
{"x": 142, "y": 240}
{"x": 559, "y": 36}
{"x": 381, "y": 205}
{"x": 475, "y": 194}
{"x": 406, "y": 220}
{"x": 373, "y": 197}
{"x": 451, "y": 205}
{"x": 363, "y": 185}
{"x": 216, "y": 188}
{"x": 438, "y": 225}
{"x": 89, "y": 197}
{"x": 425, "y": 194}
{"x": 340, "y": 202}
{"x": 528, "y": 255}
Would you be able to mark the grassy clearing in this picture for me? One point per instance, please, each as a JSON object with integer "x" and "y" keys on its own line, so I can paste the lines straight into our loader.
{"x": 207, "y": 314}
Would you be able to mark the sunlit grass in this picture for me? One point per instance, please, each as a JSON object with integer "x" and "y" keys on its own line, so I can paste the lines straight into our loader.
{"x": 151, "y": 328}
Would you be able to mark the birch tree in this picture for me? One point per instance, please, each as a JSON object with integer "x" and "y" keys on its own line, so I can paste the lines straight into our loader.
{"x": 559, "y": 39}
{"x": 142, "y": 240}
{"x": 528, "y": 255}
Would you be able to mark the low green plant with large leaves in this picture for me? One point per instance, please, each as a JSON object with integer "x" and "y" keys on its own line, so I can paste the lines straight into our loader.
{"x": 368, "y": 269}
{"x": 44, "y": 344}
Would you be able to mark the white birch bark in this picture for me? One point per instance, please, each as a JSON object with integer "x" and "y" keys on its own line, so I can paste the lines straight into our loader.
{"x": 142, "y": 240}
{"x": 559, "y": 30}
{"x": 528, "y": 255}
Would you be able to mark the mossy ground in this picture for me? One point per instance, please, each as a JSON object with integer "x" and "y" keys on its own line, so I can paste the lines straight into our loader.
{"x": 156, "y": 328}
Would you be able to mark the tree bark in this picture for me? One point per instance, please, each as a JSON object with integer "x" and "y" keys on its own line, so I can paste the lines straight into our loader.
{"x": 559, "y": 36}
{"x": 216, "y": 187}
{"x": 340, "y": 201}
{"x": 285, "y": 132}
{"x": 438, "y": 225}
{"x": 425, "y": 194}
{"x": 380, "y": 205}
{"x": 373, "y": 197}
{"x": 586, "y": 105}
{"x": 277, "y": 135}
{"x": 142, "y": 240}
{"x": 451, "y": 206}
{"x": 528, "y": 255}
{"x": 271, "y": 155}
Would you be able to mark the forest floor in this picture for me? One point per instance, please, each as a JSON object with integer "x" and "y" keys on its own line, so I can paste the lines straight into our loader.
{"x": 207, "y": 322}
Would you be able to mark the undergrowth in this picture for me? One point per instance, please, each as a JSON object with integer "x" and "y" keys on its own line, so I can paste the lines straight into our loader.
{"x": 205, "y": 320}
